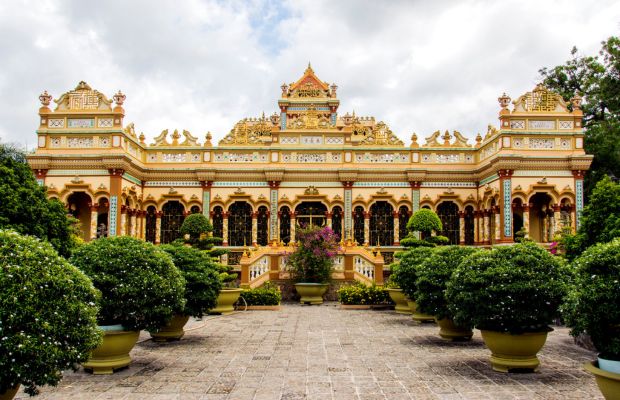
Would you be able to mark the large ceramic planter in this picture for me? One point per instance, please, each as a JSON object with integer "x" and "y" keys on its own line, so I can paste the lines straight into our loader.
{"x": 311, "y": 293}
{"x": 113, "y": 353}
{"x": 514, "y": 352}
{"x": 608, "y": 382}
{"x": 172, "y": 331}
{"x": 450, "y": 331}
{"x": 9, "y": 393}
{"x": 418, "y": 316}
{"x": 226, "y": 300}
{"x": 397, "y": 295}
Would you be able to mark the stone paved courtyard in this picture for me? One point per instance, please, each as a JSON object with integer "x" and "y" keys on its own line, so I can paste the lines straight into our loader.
{"x": 323, "y": 352}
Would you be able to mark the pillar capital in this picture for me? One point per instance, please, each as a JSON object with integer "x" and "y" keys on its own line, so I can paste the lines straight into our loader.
{"x": 415, "y": 184}
{"x": 40, "y": 173}
{"x": 274, "y": 184}
{"x": 116, "y": 171}
{"x": 505, "y": 173}
{"x": 206, "y": 184}
{"x": 347, "y": 184}
{"x": 578, "y": 174}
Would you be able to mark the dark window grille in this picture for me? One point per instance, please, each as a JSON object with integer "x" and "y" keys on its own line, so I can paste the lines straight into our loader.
{"x": 218, "y": 222}
{"x": 469, "y": 225}
{"x": 151, "y": 224}
{"x": 403, "y": 218}
{"x": 285, "y": 225}
{"x": 262, "y": 226}
{"x": 381, "y": 224}
{"x": 358, "y": 225}
{"x": 337, "y": 221}
{"x": 310, "y": 213}
{"x": 171, "y": 221}
{"x": 195, "y": 210}
{"x": 240, "y": 224}
{"x": 448, "y": 212}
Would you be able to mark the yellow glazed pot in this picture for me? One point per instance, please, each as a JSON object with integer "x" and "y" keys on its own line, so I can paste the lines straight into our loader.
{"x": 113, "y": 353}
{"x": 397, "y": 295}
{"x": 510, "y": 352}
{"x": 9, "y": 393}
{"x": 450, "y": 331}
{"x": 311, "y": 293}
{"x": 226, "y": 300}
{"x": 418, "y": 316}
{"x": 173, "y": 329}
{"x": 608, "y": 382}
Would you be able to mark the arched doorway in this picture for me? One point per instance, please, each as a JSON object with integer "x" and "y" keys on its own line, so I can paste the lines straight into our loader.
{"x": 217, "y": 217}
{"x": 240, "y": 224}
{"x": 469, "y": 225}
{"x": 403, "y": 218}
{"x": 540, "y": 217}
{"x": 102, "y": 217}
{"x": 358, "y": 225}
{"x": 128, "y": 219}
{"x": 310, "y": 213}
{"x": 337, "y": 221}
{"x": 262, "y": 226}
{"x": 517, "y": 216}
{"x": 171, "y": 220}
{"x": 448, "y": 213}
{"x": 285, "y": 224}
{"x": 381, "y": 224}
{"x": 79, "y": 207}
{"x": 150, "y": 233}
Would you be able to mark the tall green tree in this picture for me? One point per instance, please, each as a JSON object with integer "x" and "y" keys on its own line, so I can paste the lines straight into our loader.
{"x": 597, "y": 79}
{"x": 24, "y": 206}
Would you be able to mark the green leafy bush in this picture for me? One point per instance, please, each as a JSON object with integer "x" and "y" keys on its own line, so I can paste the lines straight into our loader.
{"x": 47, "y": 314}
{"x": 202, "y": 278}
{"x": 511, "y": 289}
{"x": 405, "y": 273}
{"x": 266, "y": 295}
{"x": 433, "y": 276}
{"x": 593, "y": 304}
{"x": 411, "y": 241}
{"x": 438, "y": 240}
{"x": 25, "y": 207}
{"x": 140, "y": 285}
{"x": 425, "y": 221}
{"x": 360, "y": 294}
{"x": 198, "y": 228}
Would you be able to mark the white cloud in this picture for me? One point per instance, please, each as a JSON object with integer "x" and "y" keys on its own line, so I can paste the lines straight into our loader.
{"x": 203, "y": 65}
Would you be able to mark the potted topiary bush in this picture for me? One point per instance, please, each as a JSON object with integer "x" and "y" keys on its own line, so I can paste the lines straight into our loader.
{"x": 311, "y": 263}
{"x": 433, "y": 276}
{"x": 405, "y": 276}
{"x": 140, "y": 289}
{"x": 510, "y": 293}
{"x": 196, "y": 229}
{"x": 47, "y": 315}
{"x": 202, "y": 286}
{"x": 229, "y": 291}
{"x": 593, "y": 307}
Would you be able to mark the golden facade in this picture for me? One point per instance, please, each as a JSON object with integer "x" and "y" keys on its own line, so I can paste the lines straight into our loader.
{"x": 309, "y": 164}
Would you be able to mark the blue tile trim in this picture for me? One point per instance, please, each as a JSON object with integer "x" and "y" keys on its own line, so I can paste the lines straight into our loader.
{"x": 578, "y": 201}
{"x": 113, "y": 210}
{"x": 507, "y": 208}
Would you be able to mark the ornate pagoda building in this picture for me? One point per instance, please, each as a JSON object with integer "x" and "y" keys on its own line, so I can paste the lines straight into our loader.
{"x": 310, "y": 164}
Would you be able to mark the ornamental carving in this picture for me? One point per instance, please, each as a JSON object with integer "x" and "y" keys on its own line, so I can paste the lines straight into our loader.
{"x": 83, "y": 97}
{"x": 381, "y": 135}
{"x": 540, "y": 99}
{"x": 249, "y": 131}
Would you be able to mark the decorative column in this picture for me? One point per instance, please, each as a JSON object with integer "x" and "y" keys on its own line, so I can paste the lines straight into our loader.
{"x": 254, "y": 228}
{"x": 503, "y": 219}
{"x": 116, "y": 177}
{"x": 545, "y": 234}
{"x": 573, "y": 219}
{"x": 526, "y": 219}
{"x": 158, "y": 216}
{"x": 293, "y": 226}
{"x": 415, "y": 199}
{"x": 328, "y": 218}
{"x": 206, "y": 198}
{"x": 225, "y": 228}
{"x": 367, "y": 228}
{"x": 557, "y": 219}
{"x": 274, "y": 223}
{"x": 93, "y": 220}
{"x": 348, "y": 210}
{"x": 497, "y": 227}
{"x": 124, "y": 210}
{"x": 396, "y": 228}
{"x": 487, "y": 226}
{"x": 461, "y": 227}
{"x": 578, "y": 175}
{"x": 142, "y": 215}
{"x": 476, "y": 227}
{"x": 134, "y": 222}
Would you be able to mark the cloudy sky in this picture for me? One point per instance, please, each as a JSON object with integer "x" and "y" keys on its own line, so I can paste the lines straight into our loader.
{"x": 203, "y": 65}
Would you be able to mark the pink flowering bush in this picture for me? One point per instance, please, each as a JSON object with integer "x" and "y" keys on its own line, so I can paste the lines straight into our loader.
{"x": 312, "y": 261}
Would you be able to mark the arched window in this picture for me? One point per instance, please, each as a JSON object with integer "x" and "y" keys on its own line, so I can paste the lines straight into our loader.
{"x": 469, "y": 225}
{"x": 262, "y": 226}
{"x": 218, "y": 222}
{"x": 194, "y": 210}
{"x": 151, "y": 224}
{"x": 79, "y": 203}
{"x": 381, "y": 224}
{"x": 240, "y": 224}
{"x": 448, "y": 212}
{"x": 358, "y": 224}
{"x": 285, "y": 224}
{"x": 540, "y": 217}
{"x": 337, "y": 221}
{"x": 128, "y": 220}
{"x": 310, "y": 213}
{"x": 517, "y": 216}
{"x": 102, "y": 217}
{"x": 171, "y": 221}
{"x": 403, "y": 218}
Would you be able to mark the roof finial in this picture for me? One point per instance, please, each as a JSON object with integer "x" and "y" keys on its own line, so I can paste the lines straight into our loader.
{"x": 309, "y": 67}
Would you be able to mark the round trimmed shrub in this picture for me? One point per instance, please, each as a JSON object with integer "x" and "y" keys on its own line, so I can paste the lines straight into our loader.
{"x": 433, "y": 276}
{"x": 405, "y": 273}
{"x": 47, "y": 314}
{"x": 513, "y": 289}
{"x": 140, "y": 286}
{"x": 593, "y": 304}
{"x": 202, "y": 278}
{"x": 194, "y": 225}
{"x": 425, "y": 221}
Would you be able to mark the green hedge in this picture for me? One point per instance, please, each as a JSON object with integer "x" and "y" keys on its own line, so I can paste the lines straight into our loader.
{"x": 360, "y": 294}
{"x": 263, "y": 296}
